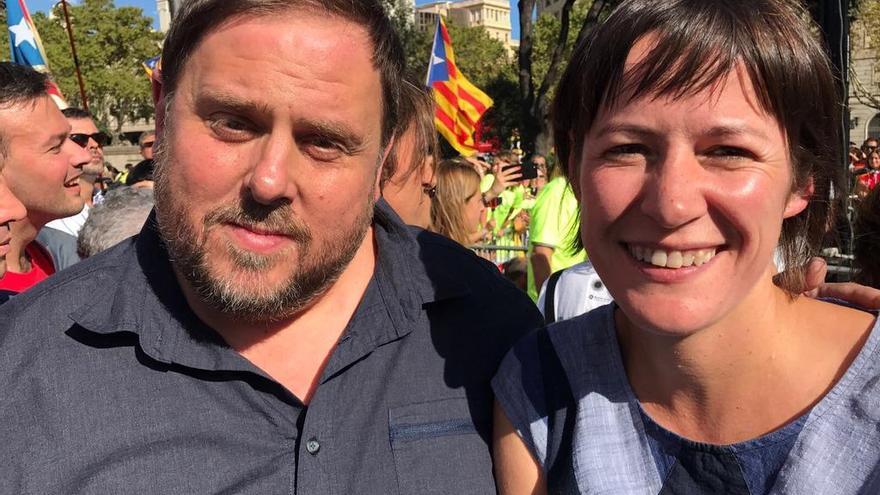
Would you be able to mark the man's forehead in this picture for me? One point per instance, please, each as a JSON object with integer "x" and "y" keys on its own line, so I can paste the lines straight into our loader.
{"x": 34, "y": 118}
{"x": 322, "y": 62}
{"x": 307, "y": 29}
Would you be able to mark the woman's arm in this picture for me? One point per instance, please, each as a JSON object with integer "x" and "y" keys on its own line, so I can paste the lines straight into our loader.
{"x": 516, "y": 471}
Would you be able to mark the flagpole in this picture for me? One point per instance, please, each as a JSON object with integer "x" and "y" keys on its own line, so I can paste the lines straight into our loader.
{"x": 433, "y": 51}
{"x": 82, "y": 87}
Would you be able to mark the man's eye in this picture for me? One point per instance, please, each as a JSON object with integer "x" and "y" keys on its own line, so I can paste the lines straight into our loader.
{"x": 322, "y": 142}
{"x": 323, "y": 149}
{"x": 230, "y": 127}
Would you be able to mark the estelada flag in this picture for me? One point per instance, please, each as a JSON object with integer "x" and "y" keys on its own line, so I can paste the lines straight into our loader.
{"x": 26, "y": 47}
{"x": 152, "y": 65}
{"x": 459, "y": 104}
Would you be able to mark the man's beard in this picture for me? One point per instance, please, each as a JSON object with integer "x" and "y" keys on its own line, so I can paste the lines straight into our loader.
{"x": 315, "y": 268}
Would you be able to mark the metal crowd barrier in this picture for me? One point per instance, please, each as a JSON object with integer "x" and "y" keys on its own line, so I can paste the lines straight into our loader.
{"x": 499, "y": 254}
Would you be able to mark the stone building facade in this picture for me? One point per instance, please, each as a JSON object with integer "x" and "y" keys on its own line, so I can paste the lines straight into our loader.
{"x": 864, "y": 85}
{"x": 492, "y": 15}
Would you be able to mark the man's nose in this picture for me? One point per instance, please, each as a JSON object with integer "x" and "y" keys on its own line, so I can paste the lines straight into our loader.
{"x": 270, "y": 179}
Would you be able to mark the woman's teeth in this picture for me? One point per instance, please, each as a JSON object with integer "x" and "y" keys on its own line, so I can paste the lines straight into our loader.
{"x": 672, "y": 259}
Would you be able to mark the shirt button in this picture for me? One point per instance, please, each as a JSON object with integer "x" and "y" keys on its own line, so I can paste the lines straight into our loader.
{"x": 313, "y": 446}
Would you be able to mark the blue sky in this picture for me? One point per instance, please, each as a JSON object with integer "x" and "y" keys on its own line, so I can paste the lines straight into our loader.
{"x": 149, "y": 6}
{"x": 514, "y": 16}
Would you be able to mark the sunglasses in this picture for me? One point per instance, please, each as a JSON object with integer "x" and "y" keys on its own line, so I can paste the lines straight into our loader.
{"x": 83, "y": 139}
{"x": 148, "y": 144}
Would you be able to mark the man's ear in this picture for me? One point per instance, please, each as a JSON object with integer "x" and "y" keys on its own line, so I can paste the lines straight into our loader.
{"x": 378, "y": 183}
{"x": 158, "y": 103}
{"x": 798, "y": 200}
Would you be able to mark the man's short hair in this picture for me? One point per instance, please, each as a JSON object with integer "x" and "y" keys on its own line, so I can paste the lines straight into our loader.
{"x": 76, "y": 113}
{"x": 144, "y": 136}
{"x": 416, "y": 114}
{"x": 18, "y": 84}
{"x": 120, "y": 216}
{"x": 197, "y": 18}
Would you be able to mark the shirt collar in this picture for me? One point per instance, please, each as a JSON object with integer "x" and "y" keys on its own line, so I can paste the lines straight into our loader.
{"x": 148, "y": 301}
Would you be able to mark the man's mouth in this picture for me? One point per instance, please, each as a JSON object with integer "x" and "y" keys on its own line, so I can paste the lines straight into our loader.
{"x": 674, "y": 259}
{"x": 72, "y": 182}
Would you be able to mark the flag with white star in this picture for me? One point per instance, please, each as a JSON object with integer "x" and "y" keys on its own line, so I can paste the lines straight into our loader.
{"x": 459, "y": 104}
{"x": 25, "y": 45}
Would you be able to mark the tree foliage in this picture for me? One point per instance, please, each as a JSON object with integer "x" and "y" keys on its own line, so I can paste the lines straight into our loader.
{"x": 111, "y": 44}
{"x": 416, "y": 43}
{"x": 545, "y": 46}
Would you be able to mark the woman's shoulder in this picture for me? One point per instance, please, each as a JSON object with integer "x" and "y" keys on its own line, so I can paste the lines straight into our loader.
{"x": 836, "y": 320}
{"x": 572, "y": 357}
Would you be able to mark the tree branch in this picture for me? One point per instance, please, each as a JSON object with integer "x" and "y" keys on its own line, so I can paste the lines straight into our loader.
{"x": 555, "y": 60}
{"x": 861, "y": 93}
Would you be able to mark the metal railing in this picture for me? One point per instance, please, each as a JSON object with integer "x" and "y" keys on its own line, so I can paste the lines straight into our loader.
{"x": 499, "y": 254}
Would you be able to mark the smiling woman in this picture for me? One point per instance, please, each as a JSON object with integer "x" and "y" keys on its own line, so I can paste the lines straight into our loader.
{"x": 694, "y": 157}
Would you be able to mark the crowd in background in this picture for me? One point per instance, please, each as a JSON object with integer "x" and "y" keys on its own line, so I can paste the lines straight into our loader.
{"x": 325, "y": 340}
{"x": 512, "y": 208}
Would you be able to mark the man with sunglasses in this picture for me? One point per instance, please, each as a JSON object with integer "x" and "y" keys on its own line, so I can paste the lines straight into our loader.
{"x": 86, "y": 135}
{"x": 42, "y": 167}
{"x": 59, "y": 236}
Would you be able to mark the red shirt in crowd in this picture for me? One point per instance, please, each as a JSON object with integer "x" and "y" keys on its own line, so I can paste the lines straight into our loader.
{"x": 41, "y": 268}
{"x": 871, "y": 179}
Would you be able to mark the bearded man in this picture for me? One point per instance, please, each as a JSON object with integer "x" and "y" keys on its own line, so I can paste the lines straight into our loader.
{"x": 274, "y": 328}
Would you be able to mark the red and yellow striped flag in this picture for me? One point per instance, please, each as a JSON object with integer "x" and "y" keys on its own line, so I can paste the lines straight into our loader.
{"x": 459, "y": 104}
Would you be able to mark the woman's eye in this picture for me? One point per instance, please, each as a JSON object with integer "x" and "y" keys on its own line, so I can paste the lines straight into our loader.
{"x": 627, "y": 150}
{"x": 729, "y": 152}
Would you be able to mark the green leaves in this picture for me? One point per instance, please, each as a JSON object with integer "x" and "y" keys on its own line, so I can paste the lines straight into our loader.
{"x": 111, "y": 45}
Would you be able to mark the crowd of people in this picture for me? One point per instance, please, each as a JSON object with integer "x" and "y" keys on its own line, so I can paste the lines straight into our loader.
{"x": 293, "y": 293}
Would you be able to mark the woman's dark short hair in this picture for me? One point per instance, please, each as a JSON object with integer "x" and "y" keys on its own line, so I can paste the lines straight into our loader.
{"x": 698, "y": 43}
{"x": 197, "y": 18}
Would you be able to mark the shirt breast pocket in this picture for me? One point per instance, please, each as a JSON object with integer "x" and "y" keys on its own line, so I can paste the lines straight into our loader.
{"x": 437, "y": 449}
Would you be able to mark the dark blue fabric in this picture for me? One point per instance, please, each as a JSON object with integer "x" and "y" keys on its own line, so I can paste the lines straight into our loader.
{"x": 694, "y": 468}
{"x": 5, "y": 295}
{"x": 111, "y": 384}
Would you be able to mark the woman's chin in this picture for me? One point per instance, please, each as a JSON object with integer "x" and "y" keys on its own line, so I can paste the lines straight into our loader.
{"x": 672, "y": 321}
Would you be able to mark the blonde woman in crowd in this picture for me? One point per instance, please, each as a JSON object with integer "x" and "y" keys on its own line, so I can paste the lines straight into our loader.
{"x": 457, "y": 210}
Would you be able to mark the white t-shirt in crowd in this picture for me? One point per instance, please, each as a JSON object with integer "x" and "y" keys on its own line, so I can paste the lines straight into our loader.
{"x": 73, "y": 224}
{"x": 578, "y": 290}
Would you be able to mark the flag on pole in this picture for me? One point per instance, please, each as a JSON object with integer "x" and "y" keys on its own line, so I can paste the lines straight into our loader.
{"x": 25, "y": 45}
{"x": 459, "y": 104}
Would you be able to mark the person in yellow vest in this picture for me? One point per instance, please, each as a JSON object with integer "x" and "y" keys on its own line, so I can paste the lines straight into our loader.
{"x": 553, "y": 233}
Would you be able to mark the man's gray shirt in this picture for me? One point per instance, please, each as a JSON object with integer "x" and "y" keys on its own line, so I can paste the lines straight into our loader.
{"x": 112, "y": 385}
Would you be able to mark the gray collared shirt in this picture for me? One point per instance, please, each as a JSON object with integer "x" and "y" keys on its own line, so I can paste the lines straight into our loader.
{"x": 112, "y": 385}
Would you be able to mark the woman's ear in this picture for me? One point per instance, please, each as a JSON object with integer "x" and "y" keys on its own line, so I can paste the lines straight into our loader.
{"x": 799, "y": 199}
